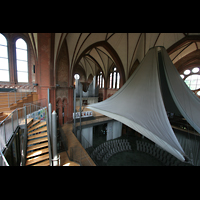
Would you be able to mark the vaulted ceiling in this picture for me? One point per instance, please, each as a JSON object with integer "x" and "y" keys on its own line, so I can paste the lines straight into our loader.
{"x": 100, "y": 50}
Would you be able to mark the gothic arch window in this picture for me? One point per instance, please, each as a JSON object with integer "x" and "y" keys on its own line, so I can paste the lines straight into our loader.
{"x": 4, "y": 64}
{"x": 100, "y": 80}
{"x": 21, "y": 60}
{"x": 191, "y": 77}
{"x": 114, "y": 79}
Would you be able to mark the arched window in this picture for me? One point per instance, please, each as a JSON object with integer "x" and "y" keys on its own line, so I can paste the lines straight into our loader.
{"x": 21, "y": 60}
{"x": 100, "y": 80}
{"x": 4, "y": 67}
{"x": 114, "y": 78}
{"x": 192, "y": 79}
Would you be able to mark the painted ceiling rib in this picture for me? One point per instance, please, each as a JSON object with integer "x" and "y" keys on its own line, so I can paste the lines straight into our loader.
{"x": 180, "y": 47}
{"x": 135, "y": 49}
{"x": 144, "y": 43}
{"x": 89, "y": 57}
{"x": 85, "y": 65}
{"x": 33, "y": 40}
{"x": 103, "y": 52}
{"x": 96, "y": 63}
{"x": 81, "y": 64}
{"x": 106, "y": 36}
{"x": 75, "y": 49}
{"x": 156, "y": 39}
{"x": 89, "y": 51}
{"x": 59, "y": 45}
{"x": 127, "y": 50}
{"x": 101, "y": 58}
{"x": 90, "y": 65}
{"x": 110, "y": 36}
{"x": 182, "y": 50}
{"x": 196, "y": 45}
{"x": 82, "y": 45}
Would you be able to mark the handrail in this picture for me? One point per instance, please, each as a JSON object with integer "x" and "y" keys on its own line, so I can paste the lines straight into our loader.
{"x": 44, "y": 101}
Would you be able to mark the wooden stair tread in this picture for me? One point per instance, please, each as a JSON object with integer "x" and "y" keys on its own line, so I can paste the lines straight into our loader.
{"x": 44, "y": 163}
{"x": 37, "y": 126}
{"x": 37, "y": 146}
{"x": 33, "y": 123}
{"x": 37, "y": 153}
{"x": 37, "y": 140}
{"x": 37, "y": 135}
{"x": 37, "y": 159}
{"x": 38, "y": 130}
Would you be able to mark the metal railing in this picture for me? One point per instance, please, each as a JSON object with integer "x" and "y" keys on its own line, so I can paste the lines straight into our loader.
{"x": 77, "y": 154}
{"x": 13, "y": 120}
{"x": 36, "y": 105}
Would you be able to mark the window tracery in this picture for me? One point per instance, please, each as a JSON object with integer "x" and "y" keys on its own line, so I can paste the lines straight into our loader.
{"x": 100, "y": 80}
{"x": 191, "y": 77}
{"x": 114, "y": 79}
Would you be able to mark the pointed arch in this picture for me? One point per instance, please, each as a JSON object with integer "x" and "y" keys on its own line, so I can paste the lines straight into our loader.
{"x": 112, "y": 53}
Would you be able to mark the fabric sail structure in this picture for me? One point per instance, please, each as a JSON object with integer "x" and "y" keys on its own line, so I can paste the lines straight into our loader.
{"x": 139, "y": 102}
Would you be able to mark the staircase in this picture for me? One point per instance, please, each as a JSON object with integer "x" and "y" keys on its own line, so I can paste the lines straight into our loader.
{"x": 37, "y": 144}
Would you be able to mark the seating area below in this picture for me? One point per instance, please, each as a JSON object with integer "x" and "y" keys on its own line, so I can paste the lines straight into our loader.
{"x": 109, "y": 148}
{"x": 166, "y": 158}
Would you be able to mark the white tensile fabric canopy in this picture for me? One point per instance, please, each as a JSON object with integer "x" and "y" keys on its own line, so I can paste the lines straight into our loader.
{"x": 139, "y": 103}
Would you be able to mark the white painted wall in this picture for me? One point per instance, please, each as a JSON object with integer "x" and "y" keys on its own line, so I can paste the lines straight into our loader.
{"x": 114, "y": 130}
{"x": 87, "y": 134}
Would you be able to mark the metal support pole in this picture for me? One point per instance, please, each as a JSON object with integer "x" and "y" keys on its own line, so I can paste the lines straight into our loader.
{"x": 48, "y": 93}
{"x": 49, "y": 140}
{"x": 74, "y": 111}
{"x": 54, "y": 136}
{"x": 25, "y": 137}
{"x": 4, "y": 129}
{"x": 81, "y": 92}
{"x": 50, "y": 127}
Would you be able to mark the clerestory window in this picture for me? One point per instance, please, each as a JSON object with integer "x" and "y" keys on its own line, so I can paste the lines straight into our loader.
{"x": 114, "y": 78}
{"x": 100, "y": 80}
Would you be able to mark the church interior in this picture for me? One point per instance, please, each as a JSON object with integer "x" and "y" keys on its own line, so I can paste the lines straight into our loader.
{"x": 59, "y": 75}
